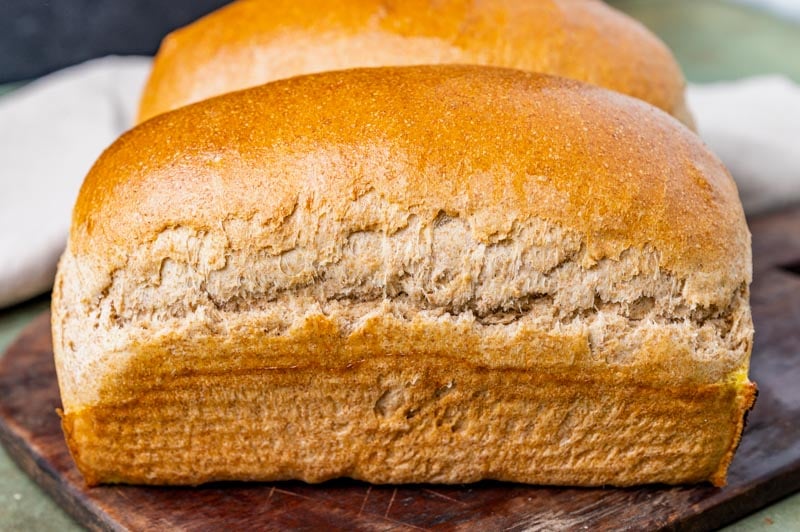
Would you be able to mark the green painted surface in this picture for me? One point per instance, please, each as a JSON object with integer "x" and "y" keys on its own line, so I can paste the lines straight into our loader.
{"x": 717, "y": 40}
{"x": 713, "y": 40}
{"x": 780, "y": 517}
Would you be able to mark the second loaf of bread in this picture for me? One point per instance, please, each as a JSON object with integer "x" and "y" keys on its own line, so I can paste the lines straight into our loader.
{"x": 423, "y": 274}
{"x": 250, "y": 42}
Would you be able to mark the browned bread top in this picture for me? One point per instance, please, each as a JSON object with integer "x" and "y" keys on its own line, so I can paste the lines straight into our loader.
{"x": 251, "y": 42}
{"x": 492, "y": 145}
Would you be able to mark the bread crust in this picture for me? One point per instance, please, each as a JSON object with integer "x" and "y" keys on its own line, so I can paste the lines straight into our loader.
{"x": 500, "y": 223}
{"x": 249, "y": 43}
{"x": 390, "y": 419}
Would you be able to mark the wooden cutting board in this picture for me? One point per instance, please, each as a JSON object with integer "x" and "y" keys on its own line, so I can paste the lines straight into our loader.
{"x": 766, "y": 467}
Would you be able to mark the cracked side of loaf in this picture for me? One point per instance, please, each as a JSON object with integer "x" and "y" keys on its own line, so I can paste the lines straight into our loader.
{"x": 551, "y": 248}
{"x": 626, "y": 312}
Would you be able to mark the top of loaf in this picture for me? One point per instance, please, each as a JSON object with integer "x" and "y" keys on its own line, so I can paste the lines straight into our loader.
{"x": 251, "y": 42}
{"x": 495, "y": 146}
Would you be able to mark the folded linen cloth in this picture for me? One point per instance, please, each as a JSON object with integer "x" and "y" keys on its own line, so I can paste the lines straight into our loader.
{"x": 52, "y": 130}
{"x": 753, "y": 125}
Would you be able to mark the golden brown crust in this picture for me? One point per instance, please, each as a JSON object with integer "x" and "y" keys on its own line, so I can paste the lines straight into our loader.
{"x": 618, "y": 172}
{"x": 252, "y": 42}
{"x": 388, "y": 419}
{"x": 383, "y": 232}
{"x": 745, "y": 400}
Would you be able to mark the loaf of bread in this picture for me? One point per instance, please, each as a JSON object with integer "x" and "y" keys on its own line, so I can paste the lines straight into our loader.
{"x": 407, "y": 274}
{"x": 251, "y": 42}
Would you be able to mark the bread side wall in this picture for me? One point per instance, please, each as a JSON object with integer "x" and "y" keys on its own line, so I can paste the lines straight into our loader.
{"x": 535, "y": 279}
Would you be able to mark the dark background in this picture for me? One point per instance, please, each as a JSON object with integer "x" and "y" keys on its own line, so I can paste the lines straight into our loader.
{"x": 712, "y": 39}
{"x": 40, "y": 36}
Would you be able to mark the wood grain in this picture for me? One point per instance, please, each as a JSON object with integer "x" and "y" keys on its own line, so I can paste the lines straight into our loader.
{"x": 766, "y": 467}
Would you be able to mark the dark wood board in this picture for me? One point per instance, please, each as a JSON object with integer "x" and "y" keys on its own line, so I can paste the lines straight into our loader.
{"x": 766, "y": 467}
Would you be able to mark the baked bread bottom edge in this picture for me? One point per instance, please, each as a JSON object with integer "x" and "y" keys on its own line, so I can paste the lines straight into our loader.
{"x": 405, "y": 419}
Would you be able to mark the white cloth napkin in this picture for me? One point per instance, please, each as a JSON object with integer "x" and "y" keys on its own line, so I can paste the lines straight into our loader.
{"x": 52, "y": 130}
{"x": 753, "y": 125}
